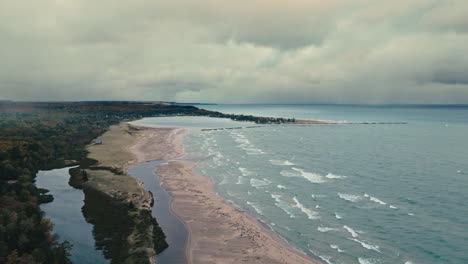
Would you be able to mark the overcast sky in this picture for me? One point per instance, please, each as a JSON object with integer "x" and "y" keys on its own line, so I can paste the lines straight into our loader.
{"x": 235, "y": 51}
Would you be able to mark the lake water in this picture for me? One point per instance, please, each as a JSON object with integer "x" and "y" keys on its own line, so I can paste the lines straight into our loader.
{"x": 173, "y": 228}
{"x": 65, "y": 213}
{"x": 69, "y": 223}
{"x": 344, "y": 193}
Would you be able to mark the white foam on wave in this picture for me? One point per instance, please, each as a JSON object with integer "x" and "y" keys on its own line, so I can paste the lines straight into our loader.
{"x": 315, "y": 196}
{"x": 246, "y": 145}
{"x": 240, "y": 180}
{"x": 337, "y": 248}
{"x": 324, "y": 229}
{"x": 258, "y": 183}
{"x": 337, "y": 216}
{"x": 349, "y": 197}
{"x": 375, "y": 200}
{"x": 409, "y": 262}
{"x": 310, "y": 213}
{"x": 351, "y": 231}
{"x": 230, "y": 194}
{"x": 281, "y": 186}
{"x": 255, "y": 207}
{"x": 366, "y": 195}
{"x": 245, "y": 171}
{"x": 253, "y": 151}
{"x": 282, "y": 205}
{"x": 333, "y": 176}
{"x": 393, "y": 207}
{"x": 288, "y": 173}
{"x": 324, "y": 258}
{"x": 282, "y": 163}
{"x": 310, "y": 176}
{"x": 217, "y": 158}
{"x": 365, "y": 245}
{"x": 366, "y": 261}
{"x": 242, "y": 140}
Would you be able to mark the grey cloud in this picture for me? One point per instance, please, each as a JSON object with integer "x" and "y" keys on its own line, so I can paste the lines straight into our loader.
{"x": 363, "y": 51}
{"x": 452, "y": 76}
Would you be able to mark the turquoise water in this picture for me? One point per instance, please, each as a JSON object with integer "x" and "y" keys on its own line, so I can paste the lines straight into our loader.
{"x": 347, "y": 193}
{"x": 65, "y": 213}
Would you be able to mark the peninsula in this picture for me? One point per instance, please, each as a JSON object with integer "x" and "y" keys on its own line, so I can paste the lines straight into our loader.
{"x": 46, "y": 135}
{"x": 219, "y": 233}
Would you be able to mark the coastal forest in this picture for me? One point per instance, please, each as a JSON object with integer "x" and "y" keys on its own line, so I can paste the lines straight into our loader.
{"x": 40, "y": 136}
{"x": 45, "y": 135}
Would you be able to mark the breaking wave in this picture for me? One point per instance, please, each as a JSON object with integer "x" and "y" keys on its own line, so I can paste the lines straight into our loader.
{"x": 326, "y": 229}
{"x": 349, "y": 197}
{"x": 365, "y": 245}
{"x": 255, "y": 207}
{"x": 337, "y": 248}
{"x": 324, "y": 258}
{"x": 282, "y": 163}
{"x": 240, "y": 180}
{"x": 366, "y": 261}
{"x": 351, "y": 231}
{"x": 245, "y": 171}
{"x": 310, "y": 214}
{"x": 375, "y": 200}
{"x": 310, "y": 176}
{"x": 282, "y": 205}
{"x": 333, "y": 176}
{"x": 246, "y": 145}
{"x": 288, "y": 173}
{"x": 258, "y": 183}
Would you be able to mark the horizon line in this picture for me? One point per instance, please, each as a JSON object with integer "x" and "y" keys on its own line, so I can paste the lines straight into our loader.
{"x": 222, "y": 103}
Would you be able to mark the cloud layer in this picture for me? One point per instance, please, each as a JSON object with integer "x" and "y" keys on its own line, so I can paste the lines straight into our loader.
{"x": 267, "y": 51}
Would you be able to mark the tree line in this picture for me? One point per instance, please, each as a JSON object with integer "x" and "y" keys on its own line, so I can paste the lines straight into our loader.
{"x": 40, "y": 136}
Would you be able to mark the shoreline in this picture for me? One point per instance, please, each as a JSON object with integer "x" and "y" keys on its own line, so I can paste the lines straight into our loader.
{"x": 174, "y": 229}
{"x": 218, "y": 232}
{"x": 111, "y": 191}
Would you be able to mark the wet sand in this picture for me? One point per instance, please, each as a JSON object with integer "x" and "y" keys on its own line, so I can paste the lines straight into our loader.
{"x": 218, "y": 232}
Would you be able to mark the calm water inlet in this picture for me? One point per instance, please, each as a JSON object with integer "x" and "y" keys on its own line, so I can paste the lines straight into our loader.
{"x": 173, "y": 228}
{"x": 65, "y": 213}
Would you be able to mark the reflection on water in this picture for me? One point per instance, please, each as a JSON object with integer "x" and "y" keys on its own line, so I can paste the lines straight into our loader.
{"x": 174, "y": 229}
{"x": 112, "y": 225}
{"x": 98, "y": 227}
{"x": 65, "y": 213}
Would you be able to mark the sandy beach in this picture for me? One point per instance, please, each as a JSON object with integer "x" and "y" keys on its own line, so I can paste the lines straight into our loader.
{"x": 219, "y": 233}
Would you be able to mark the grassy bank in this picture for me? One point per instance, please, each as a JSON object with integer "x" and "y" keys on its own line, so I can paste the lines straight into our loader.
{"x": 116, "y": 204}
